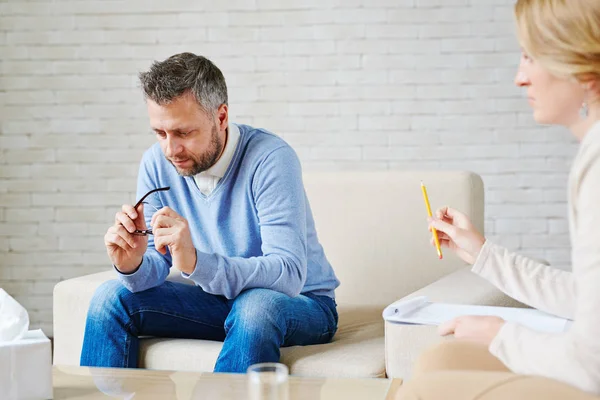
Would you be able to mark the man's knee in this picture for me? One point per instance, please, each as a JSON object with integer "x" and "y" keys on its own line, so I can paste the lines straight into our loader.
{"x": 257, "y": 309}
{"x": 106, "y": 298}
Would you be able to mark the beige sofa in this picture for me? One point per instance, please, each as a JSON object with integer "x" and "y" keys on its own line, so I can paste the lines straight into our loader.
{"x": 374, "y": 231}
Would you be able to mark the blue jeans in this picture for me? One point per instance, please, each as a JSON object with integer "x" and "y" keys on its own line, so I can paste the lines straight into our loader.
{"x": 253, "y": 326}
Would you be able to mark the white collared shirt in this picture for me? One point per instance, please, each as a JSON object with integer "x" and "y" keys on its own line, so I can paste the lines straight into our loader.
{"x": 207, "y": 180}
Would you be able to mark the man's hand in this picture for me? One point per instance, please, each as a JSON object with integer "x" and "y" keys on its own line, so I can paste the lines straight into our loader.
{"x": 171, "y": 230}
{"x": 479, "y": 329}
{"x": 126, "y": 250}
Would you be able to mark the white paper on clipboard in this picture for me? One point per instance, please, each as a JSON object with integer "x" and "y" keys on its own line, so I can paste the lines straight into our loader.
{"x": 418, "y": 310}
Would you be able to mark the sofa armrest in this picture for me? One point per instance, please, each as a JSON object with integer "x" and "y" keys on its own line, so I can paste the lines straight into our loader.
{"x": 404, "y": 342}
{"x": 71, "y": 301}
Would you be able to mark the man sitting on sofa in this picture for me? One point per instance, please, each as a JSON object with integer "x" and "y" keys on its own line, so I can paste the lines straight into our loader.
{"x": 235, "y": 221}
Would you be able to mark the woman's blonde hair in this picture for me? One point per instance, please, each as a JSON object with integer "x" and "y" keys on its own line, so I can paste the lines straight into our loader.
{"x": 562, "y": 35}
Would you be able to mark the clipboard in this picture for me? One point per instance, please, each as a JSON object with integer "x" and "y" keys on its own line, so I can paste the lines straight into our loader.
{"x": 420, "y": 311}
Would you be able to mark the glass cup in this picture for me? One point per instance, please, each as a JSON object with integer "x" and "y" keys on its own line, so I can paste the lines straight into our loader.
{"x": 268, "y": 381}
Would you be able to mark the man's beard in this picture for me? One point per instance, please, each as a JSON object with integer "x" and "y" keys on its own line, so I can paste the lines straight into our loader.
{"x": 206, "y": 160}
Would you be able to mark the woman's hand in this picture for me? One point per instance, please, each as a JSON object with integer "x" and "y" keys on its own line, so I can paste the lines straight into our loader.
{"x": 456, "y": 232}
{"x": 478, "y": 329}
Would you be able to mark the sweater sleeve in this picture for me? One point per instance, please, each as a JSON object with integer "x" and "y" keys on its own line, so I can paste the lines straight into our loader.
{"x": 535, "y": 284}
{"x": 281, "y": 209}
{"x": 572, "y": 357}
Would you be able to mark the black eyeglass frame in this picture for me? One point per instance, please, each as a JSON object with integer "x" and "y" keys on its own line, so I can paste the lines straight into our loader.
{"x": 145, "y": 232}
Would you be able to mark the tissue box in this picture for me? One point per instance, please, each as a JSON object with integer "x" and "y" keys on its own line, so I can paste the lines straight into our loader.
{"x": 26, "y": 368}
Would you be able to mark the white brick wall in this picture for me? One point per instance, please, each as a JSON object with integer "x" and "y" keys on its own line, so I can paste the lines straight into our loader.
{"x": 351, "y": 84}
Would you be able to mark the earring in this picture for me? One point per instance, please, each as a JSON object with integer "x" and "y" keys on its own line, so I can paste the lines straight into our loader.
{"x": 584, "y": 111}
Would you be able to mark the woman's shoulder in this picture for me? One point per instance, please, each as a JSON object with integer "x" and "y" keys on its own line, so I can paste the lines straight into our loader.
{"x": 587, "y": 161}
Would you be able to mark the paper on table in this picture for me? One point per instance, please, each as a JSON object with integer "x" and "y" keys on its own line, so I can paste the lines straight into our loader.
{"x": 420, "y": 311}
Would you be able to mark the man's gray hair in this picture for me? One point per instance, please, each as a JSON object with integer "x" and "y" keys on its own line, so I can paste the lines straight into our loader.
{"x": 182, "y": 73}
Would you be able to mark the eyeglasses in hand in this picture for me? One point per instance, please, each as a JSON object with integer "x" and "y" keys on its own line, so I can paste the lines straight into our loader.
{"x": 144, "y": 232}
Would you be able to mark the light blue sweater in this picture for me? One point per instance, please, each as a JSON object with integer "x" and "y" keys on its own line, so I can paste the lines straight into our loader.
{"x": 255, "y": 230}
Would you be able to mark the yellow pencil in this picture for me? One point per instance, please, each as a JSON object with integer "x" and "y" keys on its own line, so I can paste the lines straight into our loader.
{"x": 435, "y": 235}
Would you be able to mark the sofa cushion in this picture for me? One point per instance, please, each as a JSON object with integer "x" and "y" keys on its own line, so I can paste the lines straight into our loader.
{"x": 356, "y": 351}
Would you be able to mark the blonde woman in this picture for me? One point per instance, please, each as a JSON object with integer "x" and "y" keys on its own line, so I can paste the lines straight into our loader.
{"x": 560, "y": 70}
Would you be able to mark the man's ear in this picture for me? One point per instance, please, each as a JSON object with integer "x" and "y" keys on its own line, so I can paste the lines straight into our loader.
{"x": 223, "y": 117}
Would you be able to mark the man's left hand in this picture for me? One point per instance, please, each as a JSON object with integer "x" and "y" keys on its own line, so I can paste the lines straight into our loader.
{"x": 172, "y": 230}
{"x": 479, "y": 329}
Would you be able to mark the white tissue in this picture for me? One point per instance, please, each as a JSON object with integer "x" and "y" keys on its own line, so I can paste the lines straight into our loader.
{"x": 14, "y": 320}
